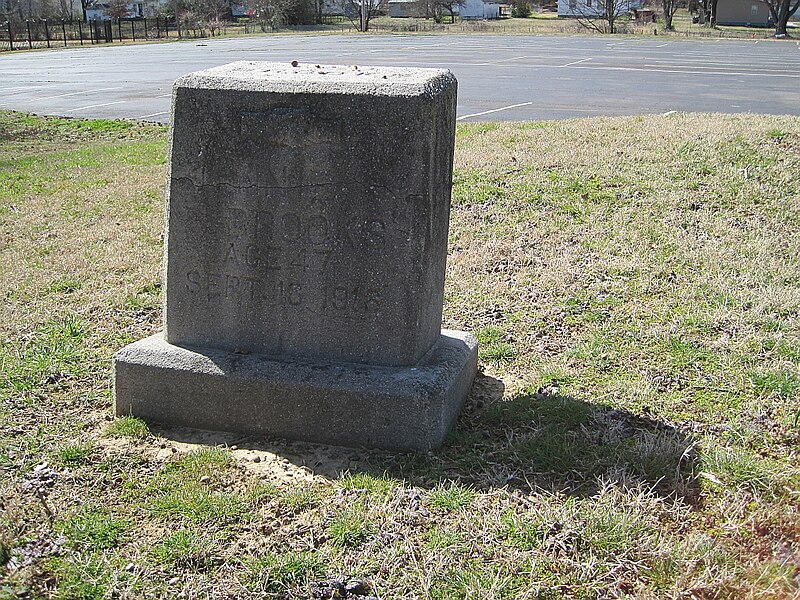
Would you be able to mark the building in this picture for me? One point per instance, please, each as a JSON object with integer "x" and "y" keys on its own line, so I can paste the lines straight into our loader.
{"x": 479, "y": 9}
{"x": 748, "y": 13}
{"x": 406, "y": 8}
{"x": 136, "y": 10}
{"x": 596, "y": 8}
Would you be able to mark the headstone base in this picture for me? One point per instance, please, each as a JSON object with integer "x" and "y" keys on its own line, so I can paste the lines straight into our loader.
{"x": 394, "y": 408}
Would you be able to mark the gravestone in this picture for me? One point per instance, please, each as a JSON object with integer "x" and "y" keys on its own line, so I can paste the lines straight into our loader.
{"x": 305, "y": 245}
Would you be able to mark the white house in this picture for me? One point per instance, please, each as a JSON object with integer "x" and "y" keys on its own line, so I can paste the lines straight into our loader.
{"x": 136, "y": 10}
{"x": 479, "y": 9}
{"x": 97, "y": 11}
{"x": 595, "y": 8}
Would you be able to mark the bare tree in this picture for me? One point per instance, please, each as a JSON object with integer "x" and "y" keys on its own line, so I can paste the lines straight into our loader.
{"x": 117, "y": 9}
{"x": 450, "y": 6}
{"x": 35, "y": 9}
{"x": 18, "y": 7}
{"x": 192, "y": 22}
{"x": 275, "y": 13}
{"x": 521, "y": 9}
{"x": 435, "y": 9}
{"x": 602, "y": 16}
{"x": 210, "y": 14}
{"x": 781, "y": 11}
{"x": 66, "y": 9}
{"x": 669, "y": 7}
{"x": 264, "y": 14}
{"x": 708, "y": 13}
{"x": 360, "y": 12}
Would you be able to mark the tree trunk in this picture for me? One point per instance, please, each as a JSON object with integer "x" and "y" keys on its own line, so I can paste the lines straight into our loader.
{"x": 781, "y": 18}
{"x": 610, "y": 15}
{"x": 667, "y": 6}
{"x": 781, "y": 12}
{"x": 713, "y": 19}
{"x": 772, "y": 13}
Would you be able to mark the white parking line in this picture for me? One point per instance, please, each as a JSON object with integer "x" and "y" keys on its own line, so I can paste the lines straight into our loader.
{"x": 94, "y": 106}
{"x": 503, "y": 60}
{"x": 75, "y": 93}
{"x": 576, "y": 62}
{"x": 494, "y": 110}
{"x": 22, "y": 87}
{"x": 695, "y": 72}
{"x": 158, "y": 114}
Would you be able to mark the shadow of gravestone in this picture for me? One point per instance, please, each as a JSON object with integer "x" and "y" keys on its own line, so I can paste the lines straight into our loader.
{"x": 545, "y": 441}
{"x": 535, "y": 441}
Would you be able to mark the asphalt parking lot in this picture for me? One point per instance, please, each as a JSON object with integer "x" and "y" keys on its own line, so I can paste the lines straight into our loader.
{"x": 500, "y": 77}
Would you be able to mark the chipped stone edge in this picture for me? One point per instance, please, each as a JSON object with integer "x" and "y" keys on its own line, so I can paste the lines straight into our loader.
{"x": 434, "y": 82}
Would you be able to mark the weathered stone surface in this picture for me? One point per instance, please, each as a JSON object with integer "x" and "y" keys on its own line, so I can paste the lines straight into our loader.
{"x": 396, "y": 408}
{"x": 305, "y": 248}
{"x": 308, "y": 210}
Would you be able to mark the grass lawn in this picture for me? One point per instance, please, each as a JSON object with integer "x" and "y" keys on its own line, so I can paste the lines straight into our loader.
{"x": 549, "y": 23}
{"x": 634, "y": 283}
{"x": 544, "y": 22}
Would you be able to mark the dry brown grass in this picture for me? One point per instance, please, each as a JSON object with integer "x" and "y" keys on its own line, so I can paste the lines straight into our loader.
{"x": 634, "y": 431}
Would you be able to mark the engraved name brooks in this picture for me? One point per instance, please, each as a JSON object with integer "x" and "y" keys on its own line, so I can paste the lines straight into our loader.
{"x": 287, "y": 259}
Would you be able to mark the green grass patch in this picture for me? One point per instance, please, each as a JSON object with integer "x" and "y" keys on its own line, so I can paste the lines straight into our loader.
{"x": 80, "y": 578}
{"x": 477, "y": 188}
{"x": 199, "y": 506}
{"x": 52, "y": 355}
{"x": 493, "y": 346}
{"x": 93, "y": 529}
{"x": 130, "y": 427}
{"x": 451, "y": 496}
{"x": 783, "y": 384}
{"x": 65, "y": 285}
{"x": 299, "y": 500}
{"x": 183, "y": 548}
{"x": 742, "y": 469}
{"x": 75, "y": 454}
{"x": 350, "y": 528}
{"x": 438, "y": 538}
{"x": 284, "y": 573}
{"x": 263, "y": 492}
{"x": 377, "y": 486}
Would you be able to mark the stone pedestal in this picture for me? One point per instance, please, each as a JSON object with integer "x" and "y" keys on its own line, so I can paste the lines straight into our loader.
{"x": 305, "y": 248}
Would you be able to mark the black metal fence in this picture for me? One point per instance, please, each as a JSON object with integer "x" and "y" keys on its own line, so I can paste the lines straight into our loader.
{"x": 49, "y": 33}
